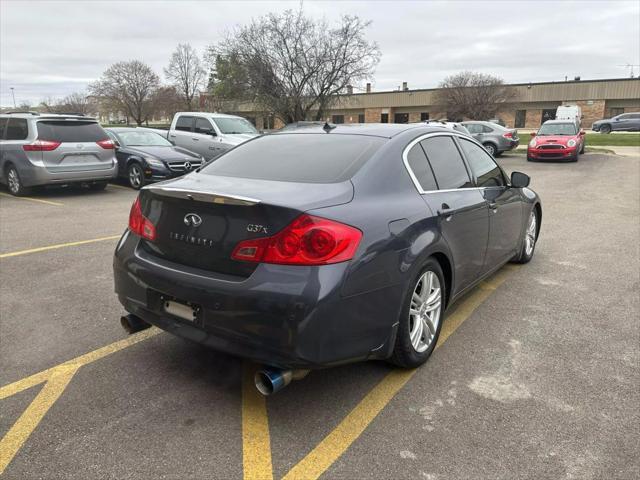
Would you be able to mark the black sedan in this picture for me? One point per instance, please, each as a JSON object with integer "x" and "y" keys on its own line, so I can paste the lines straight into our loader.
{"x": 322, "y": 246}
{"x": 145, "y": 156}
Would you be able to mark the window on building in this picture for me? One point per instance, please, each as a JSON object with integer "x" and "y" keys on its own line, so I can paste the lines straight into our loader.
{"x": 485, "y": 169}
{"x": 361, "y": 118}
{"x": 252, "y": 120}
{"x": 384, "y": 118}
{"x": 420, "y": 168}
{"x": 548, "y": 114}
{"x": 424, "y": 116}
{"x": 520, "y": 119}
{"x": 446, "y": 163}
{"x": 17, "y": 129}
{"x": 401, "y": 118}
{"x": 337, "y": 119}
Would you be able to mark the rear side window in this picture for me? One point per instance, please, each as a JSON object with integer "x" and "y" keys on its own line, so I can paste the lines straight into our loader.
{"x": 17, "y": 129}
{"x": 71, "y": 131}
{"x": 486, "y": 171}
{"x": 305, "y": 158}
{"x": 420, "y": 167}
{"x": 446, "y": 163}
{"x": 184, "y": 124}
{"x": 3, "y": 124}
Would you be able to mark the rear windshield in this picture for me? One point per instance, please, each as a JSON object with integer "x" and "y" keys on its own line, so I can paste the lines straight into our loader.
{"x": 305, "y": 158}
{"x": 61, "y": 131}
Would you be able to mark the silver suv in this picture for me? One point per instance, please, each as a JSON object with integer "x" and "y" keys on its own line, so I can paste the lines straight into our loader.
{"x": 44, "y": 149}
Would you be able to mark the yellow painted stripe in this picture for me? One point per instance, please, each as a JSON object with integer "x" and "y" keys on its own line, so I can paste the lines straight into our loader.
{"x": 37, "y": 200}
{"x": 256, "y": 443}
{"x": 59, "y": 245}
{"x": 351, "y": 427}
{"x": 37, "y": 378}
{"x": 120, "y": 187}
{"x": 31, "y": 417}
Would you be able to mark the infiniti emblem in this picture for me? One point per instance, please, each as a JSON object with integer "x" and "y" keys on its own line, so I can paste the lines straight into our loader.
{"x": 187, "y": 165}
{"x": 192, "y": 220}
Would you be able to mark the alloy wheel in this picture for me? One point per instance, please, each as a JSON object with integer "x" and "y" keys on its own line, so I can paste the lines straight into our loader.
{"x": 424, "y": 312}
{"x": 490, "y": 149}
{"x": 13, "y": 181}
{"x": 135, "y": 176}
{"x": 530, "y": 239}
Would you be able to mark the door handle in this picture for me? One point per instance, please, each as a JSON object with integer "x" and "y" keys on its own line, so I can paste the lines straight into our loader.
{"x": 195, "y": 139}
{"x": 445, "y": 212}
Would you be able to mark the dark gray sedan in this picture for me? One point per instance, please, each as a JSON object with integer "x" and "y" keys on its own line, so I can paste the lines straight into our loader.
{"x": 323, "y": 246}
{"x": 625, "y": 122}
{"x": 495, "y": 138}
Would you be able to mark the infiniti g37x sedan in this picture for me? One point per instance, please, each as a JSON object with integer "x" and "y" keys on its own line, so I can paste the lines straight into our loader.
{"x": 322, "y": 246}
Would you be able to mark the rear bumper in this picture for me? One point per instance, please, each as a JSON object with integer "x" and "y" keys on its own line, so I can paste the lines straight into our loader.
{"x": 33, "y": 175}
{"x": 285, "y": 316}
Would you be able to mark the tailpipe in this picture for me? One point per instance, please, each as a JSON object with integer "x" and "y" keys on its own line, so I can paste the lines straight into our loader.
{"x": 133, "y": 324}
{"x": 271, "y": 380}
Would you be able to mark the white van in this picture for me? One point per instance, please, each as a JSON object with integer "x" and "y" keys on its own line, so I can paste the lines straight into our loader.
{"x": 572, "y": 113}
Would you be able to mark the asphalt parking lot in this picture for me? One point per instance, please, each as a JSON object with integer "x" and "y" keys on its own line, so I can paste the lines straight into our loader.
{"x": 536, "y": 374}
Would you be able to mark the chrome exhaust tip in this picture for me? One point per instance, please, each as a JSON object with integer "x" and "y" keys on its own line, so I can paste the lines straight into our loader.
{"x": 271, "y": 380}
{"x": 133, "y": 324}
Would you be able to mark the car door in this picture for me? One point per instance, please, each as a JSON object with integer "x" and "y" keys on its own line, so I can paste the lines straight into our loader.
{"x": 462, "y": 211}
{"x": 634, "y": 121}
{"x": 206, "y": 141}
{"x": 621, "y": 122}
{"x": 504, "y": 204}
{"x": 182, "y": 133}
{"x": 121, "y": 157}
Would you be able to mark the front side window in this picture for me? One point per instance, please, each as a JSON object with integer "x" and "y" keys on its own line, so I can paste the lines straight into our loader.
{"x": 204, "y": 127}
{"x": 17, "y": 129}
{"x": 3, "y": 124}
{"x": 446, "y": 163}
{"x": 486, "y": 171}
{"x": 231, "y": 125}
{"x": 184, "y": 123}
{"x": 420, "y": 167}
{"x": 337, "y": 119}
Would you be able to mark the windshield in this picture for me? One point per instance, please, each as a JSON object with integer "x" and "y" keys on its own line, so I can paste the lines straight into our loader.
{"x": 557, "y": 129}
{"x": 234, "y": 125}
{"x": 143, "y": 139}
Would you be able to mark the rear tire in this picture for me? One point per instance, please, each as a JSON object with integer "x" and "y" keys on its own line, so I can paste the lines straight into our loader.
{"x": 135, "y": 176}
{"x": 421, "y": 317}
{"x": 605, "y": 129}
{"x": 14, "y": 182}
{"x": 490, "y": 148}
{"x": 530, "y": 239}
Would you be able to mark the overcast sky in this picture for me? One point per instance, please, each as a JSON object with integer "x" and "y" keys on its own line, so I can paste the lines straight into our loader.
{"x": 53, "y": 48}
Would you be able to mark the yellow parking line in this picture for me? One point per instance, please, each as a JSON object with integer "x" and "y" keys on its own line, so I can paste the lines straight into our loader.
{"x": 351, "y": 427}
{"x": 57, "y": 379}
{"x": 37, "y": 200}
{"x": 59, "y": 245}
{"x": 256, "y": 443}
{"x": 121, "y": 187}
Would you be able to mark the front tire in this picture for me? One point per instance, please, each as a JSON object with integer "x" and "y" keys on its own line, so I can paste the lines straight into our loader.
{"x": 14, "y": 183}
{"x": 135, "y": 175}
{"x": 605, "y": 129}
{"x": 420, "y": 318}
{"x": 530, "y": 239}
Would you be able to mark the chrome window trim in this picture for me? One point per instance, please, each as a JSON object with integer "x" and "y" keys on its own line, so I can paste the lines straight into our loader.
{"x": 417, "y": 140}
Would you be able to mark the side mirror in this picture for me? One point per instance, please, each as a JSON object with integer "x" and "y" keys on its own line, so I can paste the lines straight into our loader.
{"x": 520, "y": 180}
{"x": 533, "y": 134}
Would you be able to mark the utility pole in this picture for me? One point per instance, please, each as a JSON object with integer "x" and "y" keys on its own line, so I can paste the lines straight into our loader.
{"x": 13, "y": 94}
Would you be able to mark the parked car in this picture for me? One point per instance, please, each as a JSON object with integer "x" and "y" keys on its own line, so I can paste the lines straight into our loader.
{"x": 301, "y": 124}
{"x": 145, "y": 156}
{"x": 556, "y": 140}
{"x": 46, "y": 149}
{"x": 571, "y": 113}
{"x": 209, "y": 134}
{"x": 622, "y": 122}
{"x": 318, "y": 247}
{"x": 495, "y": 138}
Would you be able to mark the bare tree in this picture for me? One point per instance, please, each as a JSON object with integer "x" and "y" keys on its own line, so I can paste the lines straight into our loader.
{"x": 474, "y": 95}
{"x": 166, "y": 102}
{"x": 77, "y": 102}
{"x": 131, "y": 86}
{"x": 186, "y": 73}
{"x": 292, "y": 65}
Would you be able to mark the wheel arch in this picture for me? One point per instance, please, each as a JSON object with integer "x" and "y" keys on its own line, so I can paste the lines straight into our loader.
{"x": 447, "y": 272}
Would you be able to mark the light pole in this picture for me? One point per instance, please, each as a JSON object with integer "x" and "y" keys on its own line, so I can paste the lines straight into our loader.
{"x": 14, "y": 97}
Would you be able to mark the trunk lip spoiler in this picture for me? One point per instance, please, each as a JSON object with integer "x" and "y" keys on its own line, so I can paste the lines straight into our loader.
{"x": 214, "y": 197}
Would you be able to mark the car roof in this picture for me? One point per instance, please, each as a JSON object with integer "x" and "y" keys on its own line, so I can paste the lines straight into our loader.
{"x": 568, "y": 122}
{"x": 208, "y": 114}
{"x": 128, "y": 129}
{"x": 385, "y": 130}
{"x": 45, "y": 116}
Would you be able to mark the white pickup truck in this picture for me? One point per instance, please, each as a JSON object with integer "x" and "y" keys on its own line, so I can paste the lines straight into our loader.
{"x": 208, "y": 134}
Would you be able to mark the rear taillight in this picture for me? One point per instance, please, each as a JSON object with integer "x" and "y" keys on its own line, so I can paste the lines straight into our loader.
{"x": 508, "y": 135}
{"x": 41, "y": 146}
{"x": 307, "y": 240}
{"x": 139, "y": 224}
{"x": 107, "y": 144}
